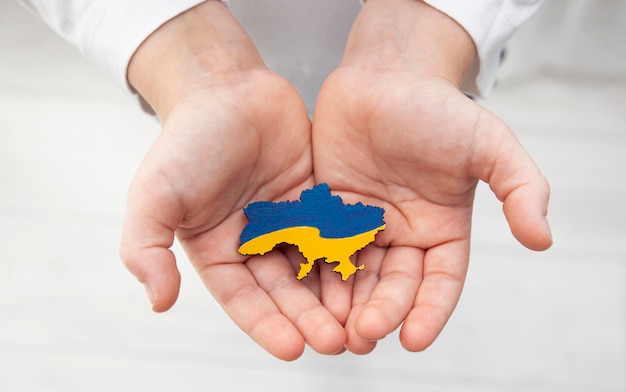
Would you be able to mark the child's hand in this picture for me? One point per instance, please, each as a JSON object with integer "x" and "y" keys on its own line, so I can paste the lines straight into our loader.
{"x": 233, "y": 132}
{"x": 392, "y": 129}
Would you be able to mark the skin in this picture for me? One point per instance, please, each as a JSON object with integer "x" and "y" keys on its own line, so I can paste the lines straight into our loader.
{"x": 232, "y": 132}
{"x": 391, "y": 129}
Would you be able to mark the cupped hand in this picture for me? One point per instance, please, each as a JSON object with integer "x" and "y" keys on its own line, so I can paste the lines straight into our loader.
{"x": 229, "y": 137}
{"x": 389, "y": 132}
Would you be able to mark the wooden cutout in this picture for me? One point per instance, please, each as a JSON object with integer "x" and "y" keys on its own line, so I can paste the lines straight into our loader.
{"x": 319, "y": 224}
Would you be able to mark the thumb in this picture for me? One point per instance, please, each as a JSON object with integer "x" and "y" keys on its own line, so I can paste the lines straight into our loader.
{"x": 146, "y": 239}
{"x": 526, "y": 208}
{"x": 517, "y": 181}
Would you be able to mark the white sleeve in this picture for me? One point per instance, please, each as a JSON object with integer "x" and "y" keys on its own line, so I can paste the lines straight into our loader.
{"x": 490, "y": 23}
{"x": 108, "y": 31}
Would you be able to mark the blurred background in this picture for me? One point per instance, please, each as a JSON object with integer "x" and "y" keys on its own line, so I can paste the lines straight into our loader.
{"x": 72, "y": 318}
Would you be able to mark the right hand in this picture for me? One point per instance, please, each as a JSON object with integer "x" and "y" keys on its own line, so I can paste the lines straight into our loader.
{"x": 233, "y": 132}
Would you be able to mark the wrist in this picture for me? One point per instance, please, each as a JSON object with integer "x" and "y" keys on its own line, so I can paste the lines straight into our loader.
{"x": 201, "y": 47}
{"x": 409, "y": 35}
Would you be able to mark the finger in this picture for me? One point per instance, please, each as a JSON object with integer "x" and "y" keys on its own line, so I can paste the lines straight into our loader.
{"x": 252, "y": 309}
{"x": 445, "y": 267}
{"x": 525, "y": 192}
{"x": 365, "y": 282}
{"x": 335, "y": 294}
{"x": 312, "y": 280}
{"x": 275, "y": 275}
{"x": 354, "y": 343}
{"x": 526, "y": 210}
{"x": 517, "y": 182}
{"x": 146, "y": 239}
{"x": 394, "y": 295}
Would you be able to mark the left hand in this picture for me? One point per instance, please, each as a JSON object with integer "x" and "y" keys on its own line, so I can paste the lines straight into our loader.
{"x": 392, "y": 129}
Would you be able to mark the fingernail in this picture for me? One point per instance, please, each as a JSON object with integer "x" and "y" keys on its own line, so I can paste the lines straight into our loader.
{"x": 150, "y": 294}
{"x": 546, "y": 227}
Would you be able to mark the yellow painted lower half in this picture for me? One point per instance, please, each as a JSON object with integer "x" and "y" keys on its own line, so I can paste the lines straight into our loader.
{"x": 313, "y": 247}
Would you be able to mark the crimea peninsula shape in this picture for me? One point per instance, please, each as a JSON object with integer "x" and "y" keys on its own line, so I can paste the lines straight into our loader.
{"x": 320, "y": 225}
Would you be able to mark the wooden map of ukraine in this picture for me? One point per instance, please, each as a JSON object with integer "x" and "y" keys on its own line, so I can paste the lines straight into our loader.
{"x": 319, "y": 224}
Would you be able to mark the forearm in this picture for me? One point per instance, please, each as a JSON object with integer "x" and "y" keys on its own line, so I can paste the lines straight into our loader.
{"x": 409, "y": 35}
{"x": 490, "y": 23}
{"x": 201, "y": 47}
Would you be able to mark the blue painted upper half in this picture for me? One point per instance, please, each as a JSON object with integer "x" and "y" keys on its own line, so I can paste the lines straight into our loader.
{"x": 316, "y": 208}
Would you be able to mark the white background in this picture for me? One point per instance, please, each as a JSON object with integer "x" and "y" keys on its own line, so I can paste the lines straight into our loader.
{"x": 72, "y": 319}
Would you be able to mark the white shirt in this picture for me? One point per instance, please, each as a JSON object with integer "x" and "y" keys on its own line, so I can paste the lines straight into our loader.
{"x": 303, "y": 41}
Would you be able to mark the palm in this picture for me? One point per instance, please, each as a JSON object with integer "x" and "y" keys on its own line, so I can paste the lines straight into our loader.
{"x": 415, "y": 148}
{"x": 220, "y": 149}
